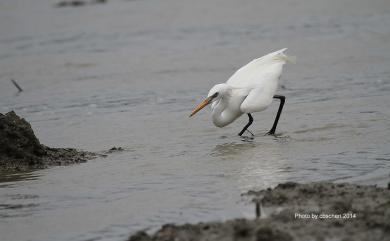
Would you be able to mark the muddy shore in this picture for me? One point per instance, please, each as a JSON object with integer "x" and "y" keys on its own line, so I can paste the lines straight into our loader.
{"x": 20, "y": 149}
{"x": 292, "y": 211}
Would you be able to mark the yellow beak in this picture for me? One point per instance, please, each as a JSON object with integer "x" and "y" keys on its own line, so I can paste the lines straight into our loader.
{"x": 201, "y": 105}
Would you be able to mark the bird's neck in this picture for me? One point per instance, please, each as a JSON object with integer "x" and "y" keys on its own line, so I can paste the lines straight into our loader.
{"x": 219, "y": 118}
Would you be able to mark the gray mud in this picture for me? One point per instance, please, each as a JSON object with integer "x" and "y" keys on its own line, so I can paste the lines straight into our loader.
{"x": 20, "y": 149}
{"x": 344, "y": 212}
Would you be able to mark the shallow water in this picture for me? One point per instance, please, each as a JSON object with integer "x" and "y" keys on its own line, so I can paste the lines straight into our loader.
{"x": 128, "y": 73}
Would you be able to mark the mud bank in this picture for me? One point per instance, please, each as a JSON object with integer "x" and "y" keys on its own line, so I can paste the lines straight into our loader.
{"x": 20, "y": 149}
{"x": 292, "y": 211}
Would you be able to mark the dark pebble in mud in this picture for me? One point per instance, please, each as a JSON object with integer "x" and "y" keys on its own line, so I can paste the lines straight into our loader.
{"x": 20, "y": 149}
{"x": 364, "y": 216}
{"x": 70, "y": 4}
{"x": 78, "y": 3}
{"x": 115, "y": 149}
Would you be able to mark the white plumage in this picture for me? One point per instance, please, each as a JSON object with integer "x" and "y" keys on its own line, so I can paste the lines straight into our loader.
{"x": 249, "y": 89}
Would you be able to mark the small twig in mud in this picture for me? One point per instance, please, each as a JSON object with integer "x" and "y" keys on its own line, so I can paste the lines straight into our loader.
{"x": 16, "y": 85}
{"x": 258, "y": 212}
{"x": 258, "y": 207}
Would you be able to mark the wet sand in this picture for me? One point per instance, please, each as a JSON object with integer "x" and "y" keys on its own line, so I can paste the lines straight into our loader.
{"x": 292, "y": 211}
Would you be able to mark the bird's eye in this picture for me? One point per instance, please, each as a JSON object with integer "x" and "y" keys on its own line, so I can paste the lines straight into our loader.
{"x": 215, "y": 95}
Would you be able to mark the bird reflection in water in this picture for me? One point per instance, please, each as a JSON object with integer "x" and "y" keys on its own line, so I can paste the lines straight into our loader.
{"x": 231, "y": 149}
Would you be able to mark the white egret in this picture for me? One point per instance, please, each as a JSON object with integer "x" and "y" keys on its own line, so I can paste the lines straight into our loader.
{"x": 250, "y": 89}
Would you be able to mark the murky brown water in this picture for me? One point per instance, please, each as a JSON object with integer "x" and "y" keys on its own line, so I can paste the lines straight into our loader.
{"x": 128, "y": 73}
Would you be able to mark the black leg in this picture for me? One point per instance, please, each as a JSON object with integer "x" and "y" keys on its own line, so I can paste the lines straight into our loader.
{"x": 282, "y": 100}
{"x": 247, "y": 125}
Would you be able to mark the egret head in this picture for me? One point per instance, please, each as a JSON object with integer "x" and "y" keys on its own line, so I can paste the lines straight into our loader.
{"x": 215, "y": 94}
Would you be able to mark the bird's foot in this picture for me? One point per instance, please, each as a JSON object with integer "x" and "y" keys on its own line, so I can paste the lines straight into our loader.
{"x": 270, "y": 133}
{"x": 247, "y": 138}
{"x": 275, "y": 135}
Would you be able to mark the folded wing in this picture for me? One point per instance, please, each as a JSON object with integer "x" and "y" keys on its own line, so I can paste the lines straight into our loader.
{"x": 263, "y": 72}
